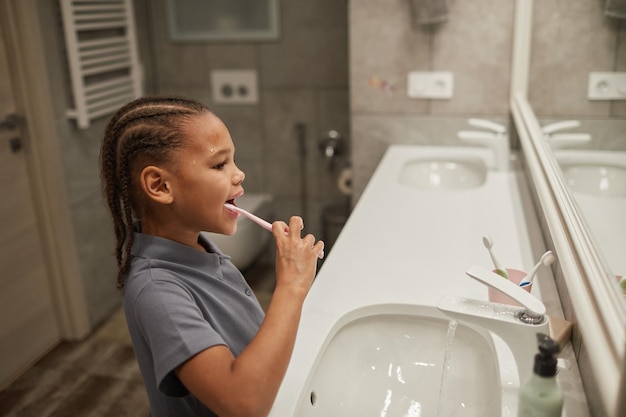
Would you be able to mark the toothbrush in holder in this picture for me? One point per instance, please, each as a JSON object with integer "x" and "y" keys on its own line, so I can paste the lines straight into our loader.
{"x": 546, "y": 259}
{"x": 263, "y": 223}
{"x": 489, "y": 245}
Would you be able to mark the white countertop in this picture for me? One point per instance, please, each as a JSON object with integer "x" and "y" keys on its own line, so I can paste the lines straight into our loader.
{"x": 403, "y": 245}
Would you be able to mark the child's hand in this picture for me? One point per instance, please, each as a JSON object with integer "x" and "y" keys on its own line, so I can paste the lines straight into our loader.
{"x": 296, "y": 256}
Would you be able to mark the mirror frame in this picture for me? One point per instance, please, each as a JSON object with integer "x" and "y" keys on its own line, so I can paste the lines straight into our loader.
{"x": 598, "y": 304}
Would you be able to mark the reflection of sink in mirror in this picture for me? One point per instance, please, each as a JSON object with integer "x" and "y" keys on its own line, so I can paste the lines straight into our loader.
{"x": 451, "y": 168}
{"x": 404, "y": 365}
{"x": 599, "y": 173}
{"x": 601, "y": 198}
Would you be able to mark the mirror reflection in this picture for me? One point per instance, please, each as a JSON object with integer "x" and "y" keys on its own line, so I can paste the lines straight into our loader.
{"x": 577, "y": 88}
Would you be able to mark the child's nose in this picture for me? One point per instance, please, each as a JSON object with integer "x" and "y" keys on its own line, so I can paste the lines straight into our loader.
{"x": 239, "y": 177}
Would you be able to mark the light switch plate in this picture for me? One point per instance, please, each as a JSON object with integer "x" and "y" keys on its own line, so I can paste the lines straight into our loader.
{"x": 234, "y": 87}
{"x": 430, "y": 84}
{"x": 607, "y": 86}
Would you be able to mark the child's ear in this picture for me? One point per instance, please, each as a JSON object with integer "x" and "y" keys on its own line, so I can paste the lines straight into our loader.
{"x": 155, "y": 183}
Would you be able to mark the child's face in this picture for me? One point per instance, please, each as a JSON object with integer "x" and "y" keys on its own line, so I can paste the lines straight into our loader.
{"x": 206, "y": 177}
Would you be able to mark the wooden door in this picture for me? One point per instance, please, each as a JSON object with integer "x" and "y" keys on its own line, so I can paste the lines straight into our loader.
{"x": 28, "y": 324}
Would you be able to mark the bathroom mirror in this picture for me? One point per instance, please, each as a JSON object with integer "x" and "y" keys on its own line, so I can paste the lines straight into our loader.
{"x": 223, "y": 20}
{"x": 569, "y": 41}
{"x": 557, "y": 45}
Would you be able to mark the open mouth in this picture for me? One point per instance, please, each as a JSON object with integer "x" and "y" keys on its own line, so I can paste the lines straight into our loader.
{"x": 231, "y": 201}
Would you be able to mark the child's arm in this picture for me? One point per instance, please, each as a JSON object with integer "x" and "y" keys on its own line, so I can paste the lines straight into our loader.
{"x": 247, "y": 385}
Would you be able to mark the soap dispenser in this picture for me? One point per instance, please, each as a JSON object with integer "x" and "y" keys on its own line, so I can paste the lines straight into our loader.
{"x": 541, "y": 396}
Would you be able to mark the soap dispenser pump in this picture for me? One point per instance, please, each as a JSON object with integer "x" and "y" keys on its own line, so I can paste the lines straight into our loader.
{"x": 541, "y": 396}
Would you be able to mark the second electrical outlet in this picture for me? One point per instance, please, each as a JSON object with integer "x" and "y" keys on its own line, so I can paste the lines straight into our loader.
{"x": 234, "y": 87}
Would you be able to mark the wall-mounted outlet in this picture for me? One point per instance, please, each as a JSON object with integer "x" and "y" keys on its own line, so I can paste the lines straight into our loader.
{"x": 433, "y": 84}
{"x": 234, "y": 87}
{"x": 607, "y": 86}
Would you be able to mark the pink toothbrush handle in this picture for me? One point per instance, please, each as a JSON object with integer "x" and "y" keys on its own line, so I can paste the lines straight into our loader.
{"x": 264, "y": 224}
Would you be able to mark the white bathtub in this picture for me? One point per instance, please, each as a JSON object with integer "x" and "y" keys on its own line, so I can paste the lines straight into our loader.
{"x": 408, "y": 246}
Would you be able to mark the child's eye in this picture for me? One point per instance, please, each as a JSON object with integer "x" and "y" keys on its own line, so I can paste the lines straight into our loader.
{"x": 220, "y": 166}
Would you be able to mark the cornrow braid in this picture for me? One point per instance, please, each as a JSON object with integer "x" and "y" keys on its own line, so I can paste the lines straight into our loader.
{"x": 146, "y": 127}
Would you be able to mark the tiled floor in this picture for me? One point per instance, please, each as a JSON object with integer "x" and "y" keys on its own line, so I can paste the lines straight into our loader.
{"x": 97, "y": 377}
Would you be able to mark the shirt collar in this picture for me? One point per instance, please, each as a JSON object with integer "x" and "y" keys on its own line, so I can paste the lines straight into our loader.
{"x": 154, "y": 247}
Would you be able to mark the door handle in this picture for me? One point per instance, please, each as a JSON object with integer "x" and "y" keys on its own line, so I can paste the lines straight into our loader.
{"x": 10, "y": 122}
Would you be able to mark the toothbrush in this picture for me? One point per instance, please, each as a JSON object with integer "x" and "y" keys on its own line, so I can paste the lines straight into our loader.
{"x": 546, "y": 259}
{"x": 499, "y": 270}
{"x": 263, "y": 223}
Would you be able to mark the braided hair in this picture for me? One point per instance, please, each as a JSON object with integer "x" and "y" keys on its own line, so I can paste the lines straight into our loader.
{"x": 148, "y": 128}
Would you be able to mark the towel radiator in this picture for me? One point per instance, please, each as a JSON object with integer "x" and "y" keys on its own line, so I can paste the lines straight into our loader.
{"x": 102, "y": 55}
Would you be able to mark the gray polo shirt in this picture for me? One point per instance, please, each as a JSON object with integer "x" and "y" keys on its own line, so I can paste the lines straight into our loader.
{"x": 179, "y": 301}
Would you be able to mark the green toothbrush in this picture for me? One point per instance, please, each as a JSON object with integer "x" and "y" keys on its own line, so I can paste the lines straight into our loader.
{"x": 499, "y": 270}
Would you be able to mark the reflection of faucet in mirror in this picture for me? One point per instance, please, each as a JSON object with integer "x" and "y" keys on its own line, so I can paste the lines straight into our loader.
{"x": 493, "y": 136}
{"x": 564, "y": 140}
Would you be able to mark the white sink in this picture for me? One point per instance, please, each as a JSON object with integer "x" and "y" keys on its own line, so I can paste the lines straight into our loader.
{"x": 403, "y": 365}
{"x": 598, "y": 173}
{"x": 447, "y": 168}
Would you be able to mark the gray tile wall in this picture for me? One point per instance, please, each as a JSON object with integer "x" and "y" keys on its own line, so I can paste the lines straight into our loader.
{"x": 474, "y": 44}
{"x": 570, "y": 40}
{"x": 303, "y": 78}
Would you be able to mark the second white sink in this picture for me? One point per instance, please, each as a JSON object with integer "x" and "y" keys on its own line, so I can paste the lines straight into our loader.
{"x": 446, "y": 168}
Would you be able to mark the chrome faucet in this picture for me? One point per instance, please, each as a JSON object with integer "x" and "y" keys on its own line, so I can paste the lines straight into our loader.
{"x": 563, "y": 140}
{"x": 516, "y": 326}
{"x": 331, "y": 147}
{"x": 494, "y": 136}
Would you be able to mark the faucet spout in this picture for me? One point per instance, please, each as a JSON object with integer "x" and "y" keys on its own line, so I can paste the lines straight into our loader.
{"x": 531, "y": 304}
{"x": 494, "y": 137}
{"x": 516, "y": 326}
{"x": 502, "y": 320}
